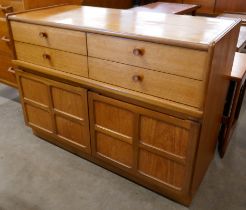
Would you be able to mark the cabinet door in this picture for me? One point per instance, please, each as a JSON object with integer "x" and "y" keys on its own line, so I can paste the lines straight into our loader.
{"x": 56, "y": 108}
{"x": 157, "y": 147}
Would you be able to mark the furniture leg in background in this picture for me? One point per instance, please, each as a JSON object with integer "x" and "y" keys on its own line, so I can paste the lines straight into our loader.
{"x": 234, "y": 102}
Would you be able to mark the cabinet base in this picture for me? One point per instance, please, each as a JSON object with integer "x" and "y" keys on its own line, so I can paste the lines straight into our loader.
{"x": 180, "y": 198}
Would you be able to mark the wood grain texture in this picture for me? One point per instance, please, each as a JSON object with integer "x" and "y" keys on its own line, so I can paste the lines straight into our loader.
{"x": 239, "y": 67}
{"x": 6, "y": 76}
{"x": 16, "y": 5}
{"x": 5, "y": 48}
{"x": 166, "y": 8}
{"x": 207, "y": 6}
{"x": 114, "y": 150}
{"x": 56, "y": 59}
{"x": 161, "y": 169}
{"x": 35, "y": 91}
{"x": 238, "y": 78}
{"x": 161, "y": 105}
{"x": 166, "y": 137}
{"x": 71, "y": 131}
{"x": 108, "y": 117}
{"x": 60, "y": 39}
{"x": 215, "y": 6}
{"x": 189, "y": 92}
{"x": 242, "y": 38}
{"x": 230, "y": 6}
{"x": 30, "y": 4}
{"x": 145, "y": 154}
{"x": 53, "y": 113}
{"x": 169, "y": 152}
{"x": 216, "y": 94}
{"x": 38, "y": 118}
{"x": 163, "y": 58}
{"x": 5, "y": 44}
{"x": 155, "y": 27}
{"x": 119, "y": 4}
{"x": 68, "y": 102}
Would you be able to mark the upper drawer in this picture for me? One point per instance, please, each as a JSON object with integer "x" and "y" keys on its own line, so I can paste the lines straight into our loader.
{"x": 169, "y": 59}
{"x": 61, "y": 39}
{"x": 55, "y": 59}
{"x": 171, "y": 87}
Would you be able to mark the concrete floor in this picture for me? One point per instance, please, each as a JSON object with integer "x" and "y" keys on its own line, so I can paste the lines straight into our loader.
{"x": 35, "y": 175}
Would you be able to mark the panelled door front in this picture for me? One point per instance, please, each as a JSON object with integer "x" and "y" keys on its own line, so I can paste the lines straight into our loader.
{"x": 55, "y": 108}
{"x": 152, "y": 145}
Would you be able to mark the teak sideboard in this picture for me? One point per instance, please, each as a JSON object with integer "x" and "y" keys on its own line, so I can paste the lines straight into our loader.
{"x": 7, "y": 6}
{"x": 141, "y": 95}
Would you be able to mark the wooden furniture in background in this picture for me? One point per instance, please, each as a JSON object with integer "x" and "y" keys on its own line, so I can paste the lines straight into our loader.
{"x": 213, "y": 6}
{"x": 241, "y": 45}
{"x": 119, "y": 4}
{"x": 7, "y": 6}
{"x": 207, "y": 6}
{"x": 230, "y": 6}
{"x": 173, "y": 8}
{"x": 155, "y": 96}
{"x": 234, "y": 101}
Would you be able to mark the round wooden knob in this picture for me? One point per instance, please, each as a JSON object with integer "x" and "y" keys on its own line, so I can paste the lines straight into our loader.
{"x": 138, "y": 52}
{"x": 46, "y": 56}
{"x": 137, "y": 78}
{"x": 43, "y": 35}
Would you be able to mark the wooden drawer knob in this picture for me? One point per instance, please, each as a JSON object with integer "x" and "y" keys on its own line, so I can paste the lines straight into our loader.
{"x": 6, "y": 9}
{"x": 46, "y": 56}
{"x": 137, "y": 78}
{"x": 138, "y": 52}
{"x": 11, "y": 70}
{"x": 43, "y": 35}
{"x": 5, "y": 39}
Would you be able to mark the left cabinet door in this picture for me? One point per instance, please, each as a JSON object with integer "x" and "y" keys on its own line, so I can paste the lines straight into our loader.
{"x": 58, "y": 109}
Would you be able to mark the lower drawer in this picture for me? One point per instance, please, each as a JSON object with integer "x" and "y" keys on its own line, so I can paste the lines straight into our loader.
{"x": 55, "y": 59}
{"x": 6, "y": 76}
{"x": 175, "y": 88}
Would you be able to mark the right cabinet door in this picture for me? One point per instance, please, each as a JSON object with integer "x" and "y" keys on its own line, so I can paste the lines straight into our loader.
{"x": 157, "y": 147}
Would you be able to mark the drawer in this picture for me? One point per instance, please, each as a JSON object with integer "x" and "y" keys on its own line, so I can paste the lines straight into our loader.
{"x": 6, "y": 75}
{"x": 61, "y": 39}
{"x": 179, "y": 89}
{"x": 5, "y": 45}
{"x": 55, "y": 59}
{"x": 169, "y": 59}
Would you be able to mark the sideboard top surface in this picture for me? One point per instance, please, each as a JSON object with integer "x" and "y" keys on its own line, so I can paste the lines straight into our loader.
{"x": 195, "y": 32}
